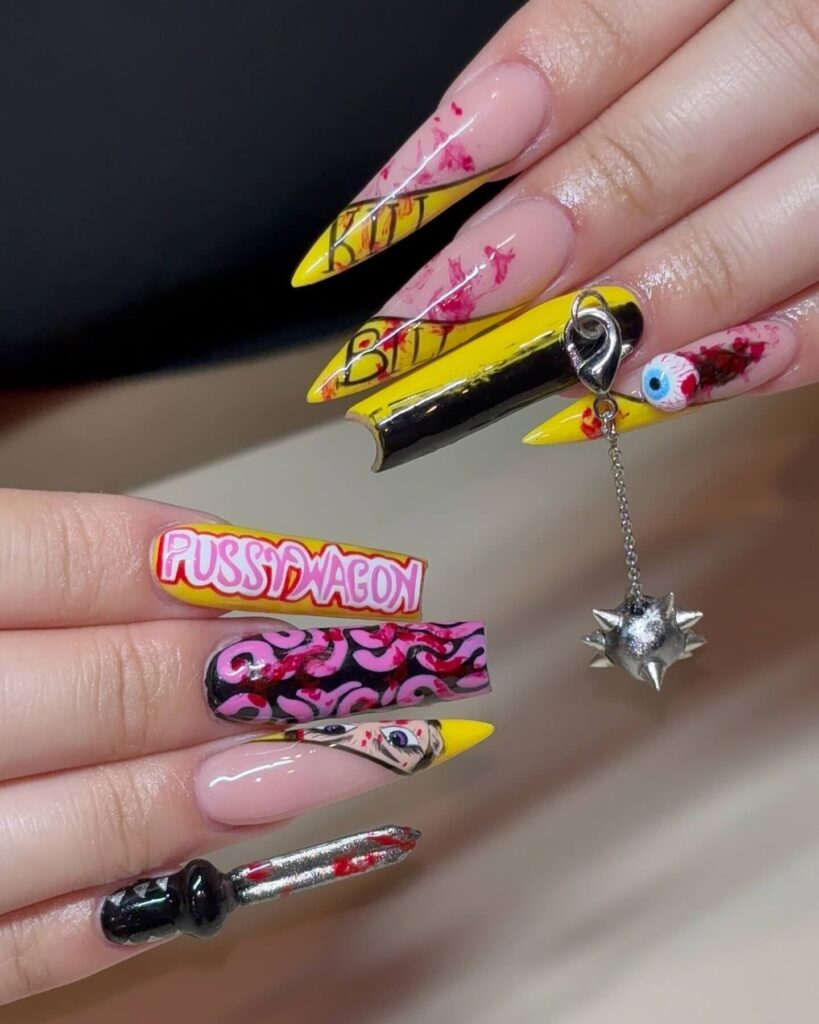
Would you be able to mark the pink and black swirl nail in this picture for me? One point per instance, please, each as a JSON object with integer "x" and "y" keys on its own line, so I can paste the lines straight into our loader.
{"x": 294, "y": 675}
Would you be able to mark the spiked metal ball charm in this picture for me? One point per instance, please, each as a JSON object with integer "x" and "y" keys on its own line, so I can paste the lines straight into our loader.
{"x": 644, "y": 635}
{"x": 645, "y": 638}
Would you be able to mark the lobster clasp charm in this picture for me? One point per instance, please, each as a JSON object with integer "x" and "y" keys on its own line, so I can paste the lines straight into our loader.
{"x": 595, "y": 323}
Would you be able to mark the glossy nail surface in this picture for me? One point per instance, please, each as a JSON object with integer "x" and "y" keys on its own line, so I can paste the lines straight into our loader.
{"x": 486, "y": 124}
{"x": 298, "y": 675}
{"x": 499, "y": 372}
{"x": 483, "y": 277}
{"x": 287, "y": 773}
{"x": 722, "y": 365}
{"x": 234, "y": 568}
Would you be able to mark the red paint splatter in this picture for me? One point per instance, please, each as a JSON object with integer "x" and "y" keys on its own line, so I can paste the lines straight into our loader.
{"x": 258, "y": 871}
{"x": 689, "y": 385}
{"x": 590, "y": 424}
{"x": 499, "y": 261}
{"x": 719, "y": 365}
{"x": 452, "y": 154}
{"x": 456, "y": 110}
{"x": 402, "y": 842}
{"x": 256, "y": 700}
{"x": 354, "y": 865}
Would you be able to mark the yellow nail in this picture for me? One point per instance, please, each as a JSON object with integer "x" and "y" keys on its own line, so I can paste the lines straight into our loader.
{"x": 460, "y": 734}
{"x": 577, "y": 422}
{"x": 386, "y": 347}
{"x": 370, "y": 226}
{"x": 502, "y": 370}
{"x": 239, "y": 569}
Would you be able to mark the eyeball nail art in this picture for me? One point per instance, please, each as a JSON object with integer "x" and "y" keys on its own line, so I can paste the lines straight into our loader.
{"x": 670, "y": 382}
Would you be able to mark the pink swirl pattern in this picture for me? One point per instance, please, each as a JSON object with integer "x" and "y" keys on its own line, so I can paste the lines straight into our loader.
{"x": 298, "y": 676}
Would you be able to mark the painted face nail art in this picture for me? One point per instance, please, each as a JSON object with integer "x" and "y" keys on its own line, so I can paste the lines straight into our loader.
{"x": 723, "y": 365}
{"x": 302, "y": 675}
{"x": 482, "y": 278}
{"x": 235, "y": 568}
{"x": 485, "y": 125}
{"x": 499, "y": 372}
{"x": 284, "y": 774}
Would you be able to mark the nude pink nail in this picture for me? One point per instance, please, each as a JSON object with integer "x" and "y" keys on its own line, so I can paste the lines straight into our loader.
{"x": 287, "y": 773}
{"x": 721, "y": 365}
{"x": 482, "y": 277}
{"x": 492, "y": 120}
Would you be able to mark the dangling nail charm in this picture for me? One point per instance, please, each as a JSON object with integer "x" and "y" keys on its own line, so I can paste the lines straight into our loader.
{"x": 643, "y": 635}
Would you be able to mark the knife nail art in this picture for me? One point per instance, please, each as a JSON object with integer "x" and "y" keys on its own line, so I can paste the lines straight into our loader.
{"x": 483, "y": 277}
{"x": 298, "y": 676}
{"x": 238, "y": 569}
{"x": 720, "y": 366}
{"x": 486, "y": 124}
{"x": 281, "y": 775}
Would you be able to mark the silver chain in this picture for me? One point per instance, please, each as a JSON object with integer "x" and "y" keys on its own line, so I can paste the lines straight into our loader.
{"x": 591, "y": 322}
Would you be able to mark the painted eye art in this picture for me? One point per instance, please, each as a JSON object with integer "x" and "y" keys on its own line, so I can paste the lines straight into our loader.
{"x": 336, "y": 729}
{"x": 398, "y": 736}
{"x": 670, "y": 382}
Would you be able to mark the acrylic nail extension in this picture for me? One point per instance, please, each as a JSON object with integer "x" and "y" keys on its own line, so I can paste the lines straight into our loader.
{"x": 298, "y": 676}
{"x": 480, "y": 279}
{"x": 283, "y": 774}
{"x": 197, "y": 899}
{"x": 720, "y": 366}
{"x": 503, "y": 370}
{"x": 239, "y": 569}
{"x": 486, "y": 124}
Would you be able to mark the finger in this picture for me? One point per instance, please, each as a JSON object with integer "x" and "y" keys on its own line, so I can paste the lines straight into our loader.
{"x": 743, "y": 252}
{"x": 89, "y": 696}
{"x": 80, "y": 559}
{"x": 548, "y": 72}
{"x": 776, "y": 353}
{"x": 710, "y": 114}
{"x": 92, "y": 826}
{"x": 53, "y": 944}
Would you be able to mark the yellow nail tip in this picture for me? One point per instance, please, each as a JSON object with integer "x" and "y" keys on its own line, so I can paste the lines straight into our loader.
{"x": 460, "y": 735}
{"x": 577, "y": 422}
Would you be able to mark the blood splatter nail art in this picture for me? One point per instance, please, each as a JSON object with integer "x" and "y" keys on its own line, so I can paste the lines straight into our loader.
{"x": 299, "y": 676}
{"x": 489, "y": 122}
{"x": 720, "y": 366}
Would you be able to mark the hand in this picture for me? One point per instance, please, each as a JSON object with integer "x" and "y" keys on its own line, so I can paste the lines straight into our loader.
{"x": 670, "y": 148}
{"x": 112, "y": 762}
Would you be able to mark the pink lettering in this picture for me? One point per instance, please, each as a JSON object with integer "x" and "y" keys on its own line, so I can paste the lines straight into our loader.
{"x": 173, "y": 546}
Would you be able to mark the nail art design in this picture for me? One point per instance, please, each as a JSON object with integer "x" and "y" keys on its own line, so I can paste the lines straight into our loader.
{"x": 301, "y": 675}
{"x": 284, "y": 774}
{"x": 721, "y": 366}
{"x": 235, "y": 568}
{"x": 501, "y": 371}
{"x": 488, "y": 123}
{"x": 485, "y": 276}
{"x": 197, "y": 899}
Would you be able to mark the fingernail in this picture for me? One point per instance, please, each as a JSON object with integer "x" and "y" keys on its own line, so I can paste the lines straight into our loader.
{"x": 287, "y": 773}
{"x": 481, "y": 278}
{"x": 295, "y": 675}
{"x": 719, "y": 366}
{"x": 497, "y": 373}
{"x": 489, "y": 122}
{"x": 239, "y": 569}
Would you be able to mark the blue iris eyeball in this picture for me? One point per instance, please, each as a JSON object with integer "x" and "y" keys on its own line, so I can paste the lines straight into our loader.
{"x": 670, "y": 382}
{"x": 397, "y": 736}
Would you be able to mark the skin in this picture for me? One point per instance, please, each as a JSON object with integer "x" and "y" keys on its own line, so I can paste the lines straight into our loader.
{"x": 682, "y": 146}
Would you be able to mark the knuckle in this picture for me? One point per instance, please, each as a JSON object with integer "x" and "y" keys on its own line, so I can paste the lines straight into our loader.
{"x": 66, "y": 534}
{"x": 127, "y": 674}
{"x": 119, "y": 814}
{"x": 24, "y": 971}
{"x": 620, "y": 167}
{"x": 793, "y": 34}
{"x": 595, "y": 23}
{"x": 713, "y": 267}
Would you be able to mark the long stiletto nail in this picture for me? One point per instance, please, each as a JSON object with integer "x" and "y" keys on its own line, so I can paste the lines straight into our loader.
{"x": 295, "y": 675}
{"x": 284, "y": 774}
{"x": 499, "y": 372}
{"x": 485, "y": 125}
{"x": 197, "y": 899}
{"x": 720, "y": 366}
{"x": 238, "y": 569}
{"x": 483, "y": 277}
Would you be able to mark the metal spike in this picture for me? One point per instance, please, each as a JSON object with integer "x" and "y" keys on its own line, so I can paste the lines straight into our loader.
{"x": 655, "y": 670}
{"x": 142, "y": 888}
{"x": 595, "y": 640}
{"x": 608, "y": 619}
{"x": 601, "y": 661}
{"x": 685, "y": 620}
{"x": 666, "y": 604}
{"x": 693, "y": 641}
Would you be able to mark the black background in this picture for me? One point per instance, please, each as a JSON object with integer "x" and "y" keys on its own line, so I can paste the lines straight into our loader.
{"x": 165, "y": 164}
